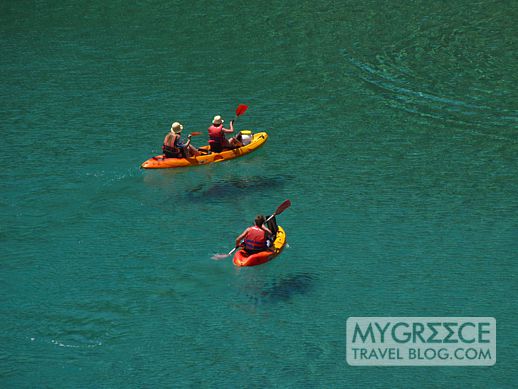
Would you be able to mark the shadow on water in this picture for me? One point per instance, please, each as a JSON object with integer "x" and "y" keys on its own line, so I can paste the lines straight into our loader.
{"x": 284, "y": 289}
{"x": 236, "y": 186}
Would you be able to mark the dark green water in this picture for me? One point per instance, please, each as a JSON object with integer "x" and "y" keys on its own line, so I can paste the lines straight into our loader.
{"x": 393, "y": 130}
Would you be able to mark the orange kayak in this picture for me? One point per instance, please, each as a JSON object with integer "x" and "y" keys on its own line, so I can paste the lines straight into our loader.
{"x": 242, "y": 258}
{"x": 161, "y": 162}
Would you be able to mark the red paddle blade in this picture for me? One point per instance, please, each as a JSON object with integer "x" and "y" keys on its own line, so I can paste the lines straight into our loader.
{"x": 241, "y": 109}
{"x": 281, "y": 208}
{"x": 195, "y": 133}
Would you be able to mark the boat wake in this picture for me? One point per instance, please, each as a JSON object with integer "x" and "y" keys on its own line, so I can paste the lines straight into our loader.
{"x": 478, "y": 111}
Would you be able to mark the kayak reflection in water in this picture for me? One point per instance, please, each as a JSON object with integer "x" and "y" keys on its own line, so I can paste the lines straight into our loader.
{"x": 255, "y": 238}
{"x": 217, "y": 140}
{"x": 174, "y": 147}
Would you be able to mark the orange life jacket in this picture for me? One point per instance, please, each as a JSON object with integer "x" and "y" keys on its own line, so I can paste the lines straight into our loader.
{"x": 255, "y": 239}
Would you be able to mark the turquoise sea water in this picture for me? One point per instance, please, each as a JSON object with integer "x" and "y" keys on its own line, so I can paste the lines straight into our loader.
{"x": 393, "y": 130}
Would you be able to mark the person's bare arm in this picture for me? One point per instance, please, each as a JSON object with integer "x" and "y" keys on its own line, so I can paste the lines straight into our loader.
{"x": 186, "y": 144}
{"x": 241, "y": 237}
{"x": 231, "y": 130}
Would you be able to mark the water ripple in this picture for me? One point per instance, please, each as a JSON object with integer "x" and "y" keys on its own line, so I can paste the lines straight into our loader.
{"x": 411, "y": 97}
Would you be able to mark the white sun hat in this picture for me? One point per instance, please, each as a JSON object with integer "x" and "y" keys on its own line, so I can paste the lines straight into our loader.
{"x": 217, "y": 120}
{"x": 176, "y": 127}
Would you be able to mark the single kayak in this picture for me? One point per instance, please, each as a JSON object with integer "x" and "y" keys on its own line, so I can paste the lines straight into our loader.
{"x": 242, "y": 258}
{"x": 162, "y": 162}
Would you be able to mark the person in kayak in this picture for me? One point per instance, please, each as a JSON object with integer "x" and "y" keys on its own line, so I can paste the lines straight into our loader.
{"x": 217, "y": 140}
{"x": 174, "y": 147}
{"x": 255, "y": 238}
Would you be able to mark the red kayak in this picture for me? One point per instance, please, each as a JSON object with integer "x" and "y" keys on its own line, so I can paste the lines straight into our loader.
{"x": 242, "y": 258}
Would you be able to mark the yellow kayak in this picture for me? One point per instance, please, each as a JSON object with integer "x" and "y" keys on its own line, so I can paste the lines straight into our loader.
{"x": 161, "y": 162}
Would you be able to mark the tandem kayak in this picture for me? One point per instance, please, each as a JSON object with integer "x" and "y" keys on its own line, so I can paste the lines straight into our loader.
{"x": 161, "y": 162}
{"x": 242, "y": 258}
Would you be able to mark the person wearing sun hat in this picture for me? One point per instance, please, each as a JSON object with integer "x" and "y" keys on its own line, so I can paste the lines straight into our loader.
{"x": 217, "y": 140}
{"x": 174, "y": 147}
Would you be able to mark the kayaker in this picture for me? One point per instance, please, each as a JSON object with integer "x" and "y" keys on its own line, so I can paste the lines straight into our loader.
{"x": 217, "y": 140}
{"x": 174, "y": 147}
{"x": 255, "y": 237}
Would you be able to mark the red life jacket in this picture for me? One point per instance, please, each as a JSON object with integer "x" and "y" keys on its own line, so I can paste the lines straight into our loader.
{"x": 216, "y": 133}
{"x": 255, "y": 239}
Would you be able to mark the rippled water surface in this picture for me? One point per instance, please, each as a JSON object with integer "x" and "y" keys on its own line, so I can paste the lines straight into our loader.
{"x": 393, "y": 130}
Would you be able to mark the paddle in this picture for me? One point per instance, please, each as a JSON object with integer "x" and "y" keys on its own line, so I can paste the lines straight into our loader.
{"x": 218, "y": 257}
{"x": 280, "y": 209}
{"x": 241, "y": 109}
{"x": 202, "y": 151}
